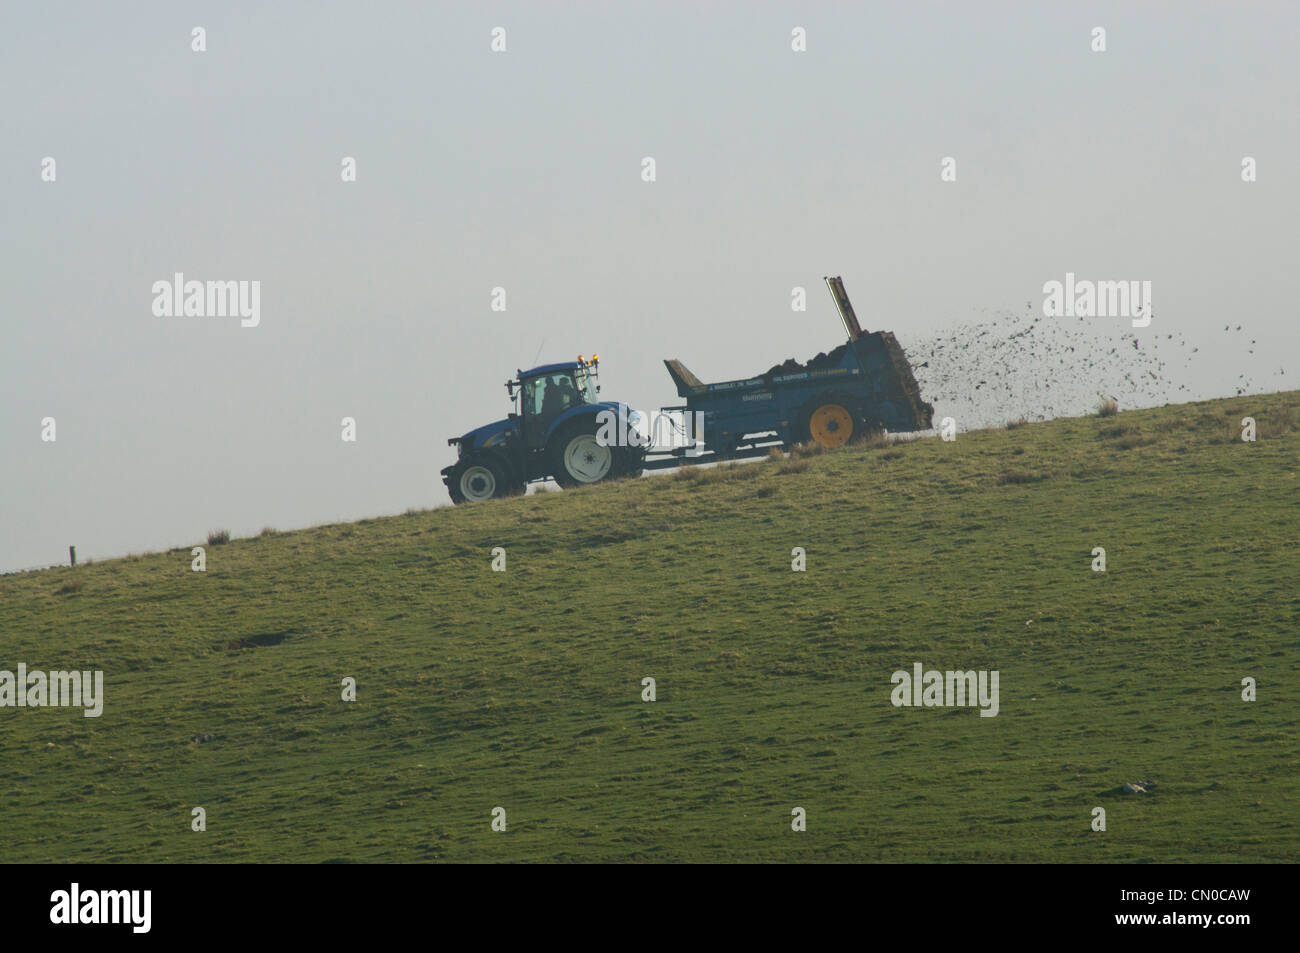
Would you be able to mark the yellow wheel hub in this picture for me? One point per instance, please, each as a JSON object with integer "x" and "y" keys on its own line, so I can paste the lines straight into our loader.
{"x": 831, "y": 425}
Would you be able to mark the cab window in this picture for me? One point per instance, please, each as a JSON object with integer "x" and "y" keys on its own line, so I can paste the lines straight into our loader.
{"x": 551, "y": 394}
{"x": 586, "y": 389}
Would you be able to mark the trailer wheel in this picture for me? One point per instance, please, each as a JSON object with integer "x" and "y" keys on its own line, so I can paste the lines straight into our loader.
{"x": 830, "y": 420}
{"x": 476, "y": 479}
{"x": 577, "y": 458}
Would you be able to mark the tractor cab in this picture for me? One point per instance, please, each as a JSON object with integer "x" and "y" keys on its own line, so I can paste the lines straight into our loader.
{"x": 546, "y": 392}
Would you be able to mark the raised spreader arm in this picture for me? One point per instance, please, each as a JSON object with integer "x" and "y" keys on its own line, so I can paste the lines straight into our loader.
{"x": 842, "y": 302}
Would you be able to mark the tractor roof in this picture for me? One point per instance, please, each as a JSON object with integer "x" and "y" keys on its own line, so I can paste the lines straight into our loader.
{"x": 551, "y": 369}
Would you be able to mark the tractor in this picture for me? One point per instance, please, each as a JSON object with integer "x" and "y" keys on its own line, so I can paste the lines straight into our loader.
{"x": 553, "y": 433}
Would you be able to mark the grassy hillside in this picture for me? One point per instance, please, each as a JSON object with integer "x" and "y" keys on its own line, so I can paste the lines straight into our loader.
{"x": 522, "y": 689}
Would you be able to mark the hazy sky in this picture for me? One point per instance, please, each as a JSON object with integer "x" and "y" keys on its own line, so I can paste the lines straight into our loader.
{"x": 522, "y": 170}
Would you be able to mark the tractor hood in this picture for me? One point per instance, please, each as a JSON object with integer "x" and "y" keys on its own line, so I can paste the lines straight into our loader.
{"x": 619, "y": 410}
{"x": 489, "y": 435}
{"x": 496, "y": 433}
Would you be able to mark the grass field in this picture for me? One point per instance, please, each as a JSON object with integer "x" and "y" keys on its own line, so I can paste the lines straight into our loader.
{"x": 522, "y": 689}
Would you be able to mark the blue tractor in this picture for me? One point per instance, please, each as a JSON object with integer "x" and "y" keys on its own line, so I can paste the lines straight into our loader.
{"x": 554, "y": 432}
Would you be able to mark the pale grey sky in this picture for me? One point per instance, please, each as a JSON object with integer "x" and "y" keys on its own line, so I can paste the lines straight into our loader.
{"x": 522, "y": 170}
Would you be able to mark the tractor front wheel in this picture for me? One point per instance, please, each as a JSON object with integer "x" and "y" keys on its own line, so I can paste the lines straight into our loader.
{"x": 476, "y": 479}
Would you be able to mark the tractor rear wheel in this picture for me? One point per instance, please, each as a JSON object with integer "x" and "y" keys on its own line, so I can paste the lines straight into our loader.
{"x": 476, "y": 479}
{"x": 577, "y": 458}
{"x": 830, "y": 420}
